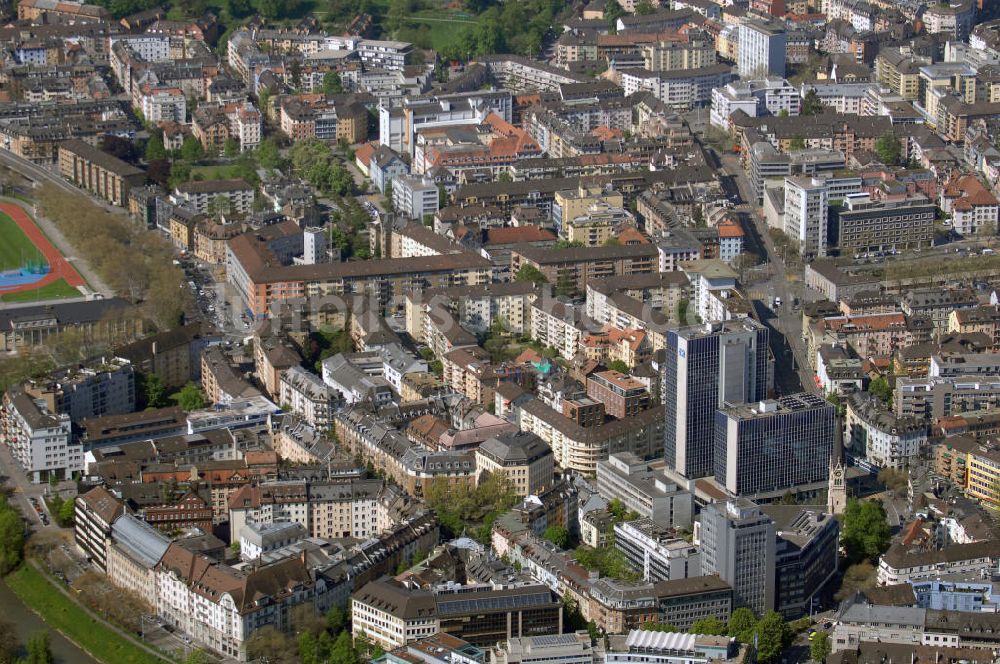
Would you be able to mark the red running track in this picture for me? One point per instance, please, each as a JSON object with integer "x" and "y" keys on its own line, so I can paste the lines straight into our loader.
{"x": 59, "y": 267}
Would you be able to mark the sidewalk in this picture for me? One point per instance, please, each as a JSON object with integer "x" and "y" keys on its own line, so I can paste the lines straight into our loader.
{"x": 64, "y": 247}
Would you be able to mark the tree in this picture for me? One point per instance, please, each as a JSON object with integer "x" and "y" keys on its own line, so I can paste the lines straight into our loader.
{"x": 895, "y": 480}
{"x": 343, "y": 650}
{"x": 820, "y": 647}
{"x": 710, "y": 626}
{"x": 39, "y": 649}
{"x": 332, "y": 85}
{"x": 191, "y": 149}
{"x": 532, "y": 274}
{"x": 218, "y": 206}
{"x": 151, "y": 391}
{"x": 231, "y": 148}
{"x": 865, "y": 530}
{"x": 879, "y": 387}
{"x": 66, "y": 511}
{"x": 341, "y": 180}
{"x": 659, "y": 627}
{"x": 190, "y": 397}
{"x": 619, "y": 366}
{"x": 335, "y": 619}
{"x": 10, "y": 645}
{"x": 742, "y": 624}
{"x": 770, "y": 634}
{"x": 268, "y": 155}
{"x": 612, "y": 12}
{"x": 295, "y": 74}
{"x": 811, "y": 104}
{"x": 558, "y": 535}
{"x": 644, "y": 7}
{"x": 154, "y": 147}
{"x": 797, "y": 143}
{"x": 11, "y": 537}
{"x": 887, "y": 149}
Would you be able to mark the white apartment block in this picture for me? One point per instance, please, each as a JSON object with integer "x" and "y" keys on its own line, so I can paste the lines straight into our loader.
{"x": 245, "y": 124}
{"x": 762, "y": 49}
{"x": 806, "y": 214}
{"x": 380, "y": 619}
{"x": 198, "y": 194}
{"x": 842, "y": 97}
{"x": 556, "y": 326}
{"x": 415, "y": 197}
{"x": 38, "y": 439}
{"x": 771, "y": 95}
{"x": 163, "y": 105}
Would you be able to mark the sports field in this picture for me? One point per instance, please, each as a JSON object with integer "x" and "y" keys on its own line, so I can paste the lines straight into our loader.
{"x": 24, "y": 245}
{"x": 16, "y": 249}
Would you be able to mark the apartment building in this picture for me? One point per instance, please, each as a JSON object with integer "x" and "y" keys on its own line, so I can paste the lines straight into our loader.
{"x": 771, "y": 95}
{"x": 93, "y": 516}
{"x": 256, "y": 275}
{"x": 98, "y": 172}
{"x": 391, "y": 614}
{"x": 39, "y": 439}
{"x": 580, "y": 448}
{"x": 573, "y": 267}
{"x": 973, "y": 208}
{"x": 522, "y": 457}
{"x": 201, "y": 195}
{"x": 678, "y": 88}
{"x": 901, "y": 564}
{"x": 307, "y": 395}
{"x": 931, "y": 398}
{"x": 415, "y": 196}
{"x": 655, "y": 552}
{"x": 622, "y": 396}
{"x": 879, "y": 436}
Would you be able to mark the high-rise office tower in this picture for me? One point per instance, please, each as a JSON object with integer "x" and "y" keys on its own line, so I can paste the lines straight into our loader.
{"x": 772, "y": 446}
{"x": 738, "y": 543}
{"x": 705, "y": 367}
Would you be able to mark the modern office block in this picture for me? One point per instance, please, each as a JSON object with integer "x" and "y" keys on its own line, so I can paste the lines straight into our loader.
{"x": 738, "y": 543}
{"x": 708, "y": 366}
{"x": 774, "y": 446}
{"x": 806, "y": 214}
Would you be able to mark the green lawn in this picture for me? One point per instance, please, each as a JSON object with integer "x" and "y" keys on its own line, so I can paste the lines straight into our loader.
{"x": 434, "y": 28}
{"x": 15, "y": 247}
{"x": 217, "y": 172}
{"x": 54, "y": 291}
{"x": 62, "y": 614}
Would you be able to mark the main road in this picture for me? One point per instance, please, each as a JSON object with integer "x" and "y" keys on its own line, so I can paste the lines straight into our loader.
{"x": 792, "y": 372}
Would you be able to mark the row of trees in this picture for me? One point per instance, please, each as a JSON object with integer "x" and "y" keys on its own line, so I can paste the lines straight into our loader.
{"x": 135, "y": 263}
{"x": 11, "y": 536}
